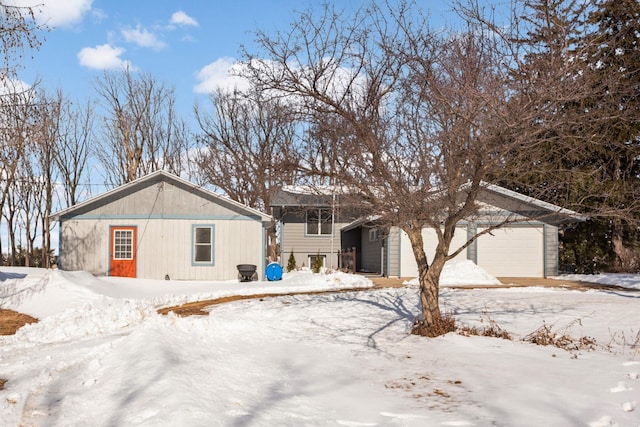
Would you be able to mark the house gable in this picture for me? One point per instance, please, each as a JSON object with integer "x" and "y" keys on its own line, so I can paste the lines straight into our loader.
{"x": 161, "y": 195}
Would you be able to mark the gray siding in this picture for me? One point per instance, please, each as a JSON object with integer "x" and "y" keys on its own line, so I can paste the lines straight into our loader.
{"x": 371, "y": 252}
{"x": 159, "y": 199}
{"x": 551, "y": 250}
{"x": 294, "y": 238}
{"x": 393, "y": 252}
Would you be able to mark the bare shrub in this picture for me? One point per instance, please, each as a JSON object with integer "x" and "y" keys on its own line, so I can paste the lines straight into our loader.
{"x": 626, "y": 341}
{"x": 441, "y": 326}
{"x": 492, "y": 329}
{"x": 546, "y": 335}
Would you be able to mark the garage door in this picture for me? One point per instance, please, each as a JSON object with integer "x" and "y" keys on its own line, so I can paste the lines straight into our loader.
{"x": 408, "y": 266}
{"x": 512, "y": 252}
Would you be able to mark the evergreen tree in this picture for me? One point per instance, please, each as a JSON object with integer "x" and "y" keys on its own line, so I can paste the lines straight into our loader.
{"x": 291, "y": 263}
{"x": 614, "y": 55}
{"x": 316, "y": 266}
{"x": 578, "y": 78}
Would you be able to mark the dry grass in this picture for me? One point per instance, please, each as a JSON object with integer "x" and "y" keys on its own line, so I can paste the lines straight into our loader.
{"x": 11, "y": 321}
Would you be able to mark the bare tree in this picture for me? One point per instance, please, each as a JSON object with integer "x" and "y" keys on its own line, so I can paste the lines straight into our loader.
{"x": 18, "y": 30}
{"x": 28, "y": 190}
{"x": 141, "y": 131}
{"x": 72, "y": 151}
{"x": 406, "y": 117}
{"x": 16, "y": 127}
{"x": 10, "y": 212}
{"x": 248, "y": 148}
{"x": 46, "y": 141}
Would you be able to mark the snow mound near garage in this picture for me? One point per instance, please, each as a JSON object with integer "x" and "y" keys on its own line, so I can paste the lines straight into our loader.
{"x": 461, "y": 273}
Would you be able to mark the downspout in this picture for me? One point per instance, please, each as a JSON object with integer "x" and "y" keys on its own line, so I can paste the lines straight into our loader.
{"x": 59, "y": 262}
{"x": 333, "y": 224}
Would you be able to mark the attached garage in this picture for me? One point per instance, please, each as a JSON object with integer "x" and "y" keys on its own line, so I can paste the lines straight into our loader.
{"x": 523, "y": 241}
{"x": 408, "y": 266}
{"x": 512, "y": 251}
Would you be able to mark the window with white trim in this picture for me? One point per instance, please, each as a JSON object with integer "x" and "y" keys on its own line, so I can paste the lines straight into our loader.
{"x": 319, "y": 222}
{"x": 203, "y": 244}
{"x": 122, "y": 244}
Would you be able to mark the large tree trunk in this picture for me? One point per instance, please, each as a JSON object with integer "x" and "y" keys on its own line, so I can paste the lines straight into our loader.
{"x": 429, "y": 278}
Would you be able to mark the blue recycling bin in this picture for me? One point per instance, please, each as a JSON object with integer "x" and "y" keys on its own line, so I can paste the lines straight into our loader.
{"x": 274, "y": 271}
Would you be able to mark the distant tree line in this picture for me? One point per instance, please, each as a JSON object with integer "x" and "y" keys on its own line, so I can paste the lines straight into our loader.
{"x": 541, "y": 96}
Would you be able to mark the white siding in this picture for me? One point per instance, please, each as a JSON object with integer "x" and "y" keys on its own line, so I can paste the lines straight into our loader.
{"x": 164, "y": 247}
{"x": 84, "y": 245}
{"x": 512, "y": 251}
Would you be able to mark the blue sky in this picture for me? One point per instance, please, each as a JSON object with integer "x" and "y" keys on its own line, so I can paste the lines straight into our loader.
{"x": 188, "y": 44}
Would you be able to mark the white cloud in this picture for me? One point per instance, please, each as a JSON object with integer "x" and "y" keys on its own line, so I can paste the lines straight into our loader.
{"x": 57, "y": 13}
{"x": 181, "y": 18}
{"x": 143, "y": 38}
{"x": 102, "y": 57}
{"x": 219, "y": 74}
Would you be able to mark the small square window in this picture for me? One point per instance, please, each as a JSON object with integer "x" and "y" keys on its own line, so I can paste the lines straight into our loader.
{"x": 312, "y": 260}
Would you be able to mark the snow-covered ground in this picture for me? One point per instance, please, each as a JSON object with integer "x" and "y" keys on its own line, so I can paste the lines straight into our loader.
{"x": 101, "y": 356}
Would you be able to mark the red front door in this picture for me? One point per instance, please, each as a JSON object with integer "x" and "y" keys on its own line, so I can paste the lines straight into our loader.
{"x": 123, "y": 252}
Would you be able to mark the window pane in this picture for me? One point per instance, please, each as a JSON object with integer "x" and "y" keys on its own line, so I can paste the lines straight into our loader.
{"x": 203, "y": 235}
{"x": 312, "y": 259}
{"x": 203, "y": 253}
{"x": 312, "y": 227}
{"x": 326, "y": 228}
{"x": 326, "y": 221}
{"x": 312, "y": 221}
{"x": 123, "y": 244}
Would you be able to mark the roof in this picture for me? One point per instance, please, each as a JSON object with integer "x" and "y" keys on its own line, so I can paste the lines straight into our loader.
{"x": 165, "y": 177}
{"x": 555, "y": 212}
{"x": 295, "y": 196}
{"x": 367, "y": 221}
{"x": 530, "y": 206}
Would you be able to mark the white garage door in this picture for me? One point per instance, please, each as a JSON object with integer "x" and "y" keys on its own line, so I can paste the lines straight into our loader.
{"x": 512, "y": 252}
{"x": 408, "y": 266}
